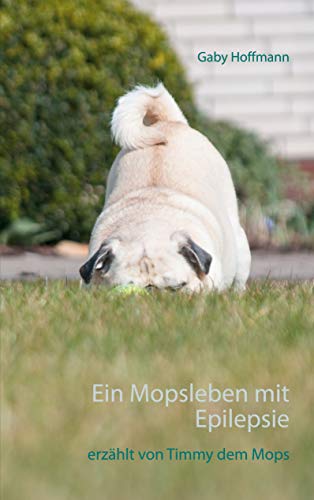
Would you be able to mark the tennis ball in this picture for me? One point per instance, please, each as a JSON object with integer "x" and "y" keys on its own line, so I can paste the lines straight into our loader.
{"x": 125, "y": 290}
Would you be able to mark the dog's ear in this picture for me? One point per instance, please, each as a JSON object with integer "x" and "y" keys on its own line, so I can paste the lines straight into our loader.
{"x": 101, "y": 260}
{"x": 197, "y": 257}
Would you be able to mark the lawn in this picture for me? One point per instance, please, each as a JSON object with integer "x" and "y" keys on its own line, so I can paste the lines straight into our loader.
{"x": 57, "y": 341}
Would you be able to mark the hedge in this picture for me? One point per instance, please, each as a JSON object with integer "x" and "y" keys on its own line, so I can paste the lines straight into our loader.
{"x": 63, "y": 64}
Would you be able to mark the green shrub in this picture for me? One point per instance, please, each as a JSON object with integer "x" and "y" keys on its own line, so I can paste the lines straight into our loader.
{"x": 63, "y": 64}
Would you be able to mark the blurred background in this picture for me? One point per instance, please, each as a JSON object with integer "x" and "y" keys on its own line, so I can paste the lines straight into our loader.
{"x": 276, "y": 100}
{"x": 64, "y": 64}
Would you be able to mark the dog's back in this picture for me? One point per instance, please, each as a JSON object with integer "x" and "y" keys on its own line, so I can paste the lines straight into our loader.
{"x": 160, "y": 149}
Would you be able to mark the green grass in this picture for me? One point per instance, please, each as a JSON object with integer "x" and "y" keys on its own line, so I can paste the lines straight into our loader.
{"x": 58, "y": 340}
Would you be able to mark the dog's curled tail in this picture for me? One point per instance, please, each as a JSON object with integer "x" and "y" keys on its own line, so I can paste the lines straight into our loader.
{"x": 136, "y": 118}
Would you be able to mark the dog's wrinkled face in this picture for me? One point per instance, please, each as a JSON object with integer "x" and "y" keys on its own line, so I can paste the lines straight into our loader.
{"x": 177, "y": 264}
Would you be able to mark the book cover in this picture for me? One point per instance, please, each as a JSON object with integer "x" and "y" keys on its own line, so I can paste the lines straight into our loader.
{"x": 156, "y": 249}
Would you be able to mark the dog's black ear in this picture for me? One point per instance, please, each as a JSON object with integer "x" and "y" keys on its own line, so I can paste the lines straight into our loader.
{"x": 196, "y": 256}
{"x": 101, "y": 260}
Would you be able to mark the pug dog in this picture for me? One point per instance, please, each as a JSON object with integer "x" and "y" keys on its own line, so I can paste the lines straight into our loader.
{"x": 170, "y": 219}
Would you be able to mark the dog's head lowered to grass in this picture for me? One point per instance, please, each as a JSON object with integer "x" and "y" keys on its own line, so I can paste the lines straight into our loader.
{"x": 176, "y": 264}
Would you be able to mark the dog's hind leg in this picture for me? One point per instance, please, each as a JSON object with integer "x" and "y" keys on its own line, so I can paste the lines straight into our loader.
{"x": 243, "y": 260}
